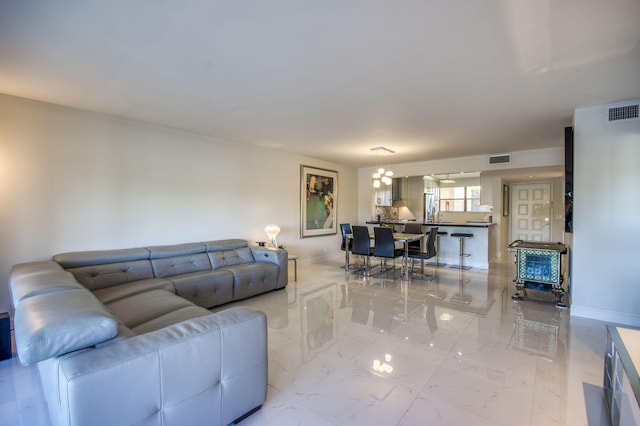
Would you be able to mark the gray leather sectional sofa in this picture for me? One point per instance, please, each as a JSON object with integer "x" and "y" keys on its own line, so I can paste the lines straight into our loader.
{"x": 124, "y": 337}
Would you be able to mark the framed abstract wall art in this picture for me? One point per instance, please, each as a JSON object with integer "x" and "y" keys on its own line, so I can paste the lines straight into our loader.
{"x": 318, "y": 201}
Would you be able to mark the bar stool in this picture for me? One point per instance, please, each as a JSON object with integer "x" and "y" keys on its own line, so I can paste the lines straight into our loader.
{"x": 437, "y": 263}
{"x": 461, "y": 236}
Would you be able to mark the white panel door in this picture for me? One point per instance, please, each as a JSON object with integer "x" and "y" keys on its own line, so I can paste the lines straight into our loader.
{"x": 531, "y": 211}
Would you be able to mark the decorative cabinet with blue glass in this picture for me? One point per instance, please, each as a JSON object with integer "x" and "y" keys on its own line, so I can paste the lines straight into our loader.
{"x": 539, "y": 267}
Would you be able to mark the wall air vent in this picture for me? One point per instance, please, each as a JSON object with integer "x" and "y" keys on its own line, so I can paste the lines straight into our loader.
{"x": 622, "y": 112}
{"x": 498, "y": 159}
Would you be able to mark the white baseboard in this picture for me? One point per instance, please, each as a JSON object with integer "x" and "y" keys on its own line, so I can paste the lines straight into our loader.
{"x": 605, "y": 315}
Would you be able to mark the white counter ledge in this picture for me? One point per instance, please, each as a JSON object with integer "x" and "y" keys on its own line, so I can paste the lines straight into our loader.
{"x": 481, "y": 246}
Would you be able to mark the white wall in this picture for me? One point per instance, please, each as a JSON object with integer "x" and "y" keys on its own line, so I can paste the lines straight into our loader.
{"x": 73, "y": 180}
{"x": 606, "y": 229}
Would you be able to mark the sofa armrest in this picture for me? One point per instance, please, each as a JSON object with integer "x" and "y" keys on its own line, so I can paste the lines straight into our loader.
{"x": 278, "y": 256}
{"x": 208, "y": 370}
{"x": 54, "y": 314}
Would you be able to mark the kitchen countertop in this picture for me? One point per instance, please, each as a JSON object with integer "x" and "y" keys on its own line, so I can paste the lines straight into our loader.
{"x": 627, "y": 344}
{"x": 631, "y": 340}
{"x": 466, "y": 224}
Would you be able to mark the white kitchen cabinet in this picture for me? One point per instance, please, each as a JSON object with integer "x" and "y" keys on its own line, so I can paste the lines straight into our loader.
{"x": 383, "y": 196}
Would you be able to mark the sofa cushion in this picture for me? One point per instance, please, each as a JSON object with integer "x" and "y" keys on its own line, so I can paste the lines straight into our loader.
{"x": 111, "y": 294}
{"x": 171, "y": 318}
{"x": 99, "y": 276}
{"x": 221, "y": 258}
{"x": 53, "y": 324}
{"x": 178, "y": 265}
{"x": 142, "y": 307}
{"x": 207, "y": 289}
{"x": 253, "y": 278}
{"x": 124, "y": 332}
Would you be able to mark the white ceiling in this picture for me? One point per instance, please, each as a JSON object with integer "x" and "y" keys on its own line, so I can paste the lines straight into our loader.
{"x": 331, "y": 79}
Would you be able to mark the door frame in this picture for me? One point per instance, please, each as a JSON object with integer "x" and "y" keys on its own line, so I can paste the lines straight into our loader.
{"x": 511, "y": 217}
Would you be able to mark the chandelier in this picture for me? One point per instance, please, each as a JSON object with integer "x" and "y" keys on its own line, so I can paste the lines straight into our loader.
{"x": 382, "y": 175}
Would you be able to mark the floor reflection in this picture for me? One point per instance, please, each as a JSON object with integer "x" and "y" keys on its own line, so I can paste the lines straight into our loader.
{"x": 454, "y": 348}
{"x": 537, "y": 330}
{"x": 318, "y": 319}
{"x": 381, "y": 303}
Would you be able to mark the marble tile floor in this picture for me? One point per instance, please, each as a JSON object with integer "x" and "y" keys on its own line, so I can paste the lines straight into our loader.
{"x": 454, "y": 350}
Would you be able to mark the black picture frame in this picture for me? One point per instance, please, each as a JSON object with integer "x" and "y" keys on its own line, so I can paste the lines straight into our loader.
{"x": 318, "y": 201}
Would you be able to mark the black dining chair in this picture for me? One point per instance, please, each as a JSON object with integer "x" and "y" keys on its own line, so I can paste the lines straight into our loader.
{"x": 347, "y": 243}
{"x": 414, "y": 228}
{"x": 385, "y": 248}
{"x": 361, "y": 245}
{"x": 428, "y": 254}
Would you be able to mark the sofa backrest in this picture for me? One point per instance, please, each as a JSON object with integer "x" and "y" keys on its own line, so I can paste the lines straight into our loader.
{"x": 228, "y": 252}
{"x": 106, "y": 268}
{"x": 179, "y": 259}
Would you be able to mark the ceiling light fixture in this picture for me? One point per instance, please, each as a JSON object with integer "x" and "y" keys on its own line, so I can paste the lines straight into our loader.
{"x": 447, "y": 180}
{"x": 382, "y": 175}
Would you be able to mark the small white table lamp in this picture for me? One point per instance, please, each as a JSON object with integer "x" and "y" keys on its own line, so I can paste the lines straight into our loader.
{"x": 272, "y": 232}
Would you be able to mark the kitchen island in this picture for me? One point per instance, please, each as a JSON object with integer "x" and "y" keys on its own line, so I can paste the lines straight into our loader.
{"x": 481, "y": 246}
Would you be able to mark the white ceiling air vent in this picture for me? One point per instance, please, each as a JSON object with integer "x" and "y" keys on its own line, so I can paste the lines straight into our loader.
{"x": 501, "y": 158}
{"x": 624, "y": 111}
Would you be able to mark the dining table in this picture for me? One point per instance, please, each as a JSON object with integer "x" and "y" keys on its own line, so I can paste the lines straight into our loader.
{"x": 399, "y": 237}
